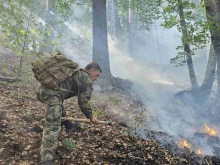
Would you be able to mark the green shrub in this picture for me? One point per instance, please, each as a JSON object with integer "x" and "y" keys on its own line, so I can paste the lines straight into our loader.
{"x": 99, "y": 114}
{"x": 69, "y": 144}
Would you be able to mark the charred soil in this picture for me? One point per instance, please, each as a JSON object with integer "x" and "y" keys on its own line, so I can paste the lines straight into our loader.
{"x": 21, "y": 133}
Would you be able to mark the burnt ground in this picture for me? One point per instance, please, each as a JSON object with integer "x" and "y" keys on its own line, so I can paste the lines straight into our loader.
{"x": 20, "y": 135}
{"x": 21, "y": 131}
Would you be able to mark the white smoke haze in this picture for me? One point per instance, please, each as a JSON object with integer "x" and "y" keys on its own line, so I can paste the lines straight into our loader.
{"x": 160, "y": 82}
{"x": 150, "y": 69}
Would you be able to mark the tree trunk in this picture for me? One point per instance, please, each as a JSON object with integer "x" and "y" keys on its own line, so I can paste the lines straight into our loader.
{"x": 158, "y": 43}
{"x": 118, "y": 28}
{"x": 34, "y": 46}
{"x": 216, "y": 43}
{"x": 100, "y": 40}
{"x": 206, "y": 88}
{"x": 210, "y": 71}
{"x": 111, "y": 17}
{"x": 131, "y": 30}
{"x": 213, "y": 16}
{"x": 48, "y": 32}
{"x": 187, "y": 50}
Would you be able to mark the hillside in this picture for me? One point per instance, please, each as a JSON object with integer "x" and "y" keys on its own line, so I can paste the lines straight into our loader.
{"x": 20, "y": 136}
{"x": 21, "y": 130}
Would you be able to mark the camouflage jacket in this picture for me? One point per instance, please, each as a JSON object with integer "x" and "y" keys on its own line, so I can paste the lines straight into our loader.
{"x": 78, "y": 84}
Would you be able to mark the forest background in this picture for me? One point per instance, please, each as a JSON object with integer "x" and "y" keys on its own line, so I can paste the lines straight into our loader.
{"x": 169, "y": 50}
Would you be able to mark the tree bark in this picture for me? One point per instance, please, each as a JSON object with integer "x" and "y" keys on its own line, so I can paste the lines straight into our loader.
{"x": 100, "y": 40}
{"x": 187, "y": 50}
{"x": 111, "y": 17}
{"x": 118, "y": 28}
{"x": 206, "y": 88}
{"x": 34, "y": 46}
{"x": 210, "y": 72}
{"x": 158, "y": 44}
{"x": 48, "y": 32}
{"x": 213, "y": 16}
{"x": 131, "y": 30}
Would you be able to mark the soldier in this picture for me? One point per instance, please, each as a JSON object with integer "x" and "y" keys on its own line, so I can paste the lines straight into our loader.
{"x": 78, "y": 84}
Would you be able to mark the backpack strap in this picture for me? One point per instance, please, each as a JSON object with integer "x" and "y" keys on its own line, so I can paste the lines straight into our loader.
{"x": 72, "y": 72}
{"x": 62, "y": 89}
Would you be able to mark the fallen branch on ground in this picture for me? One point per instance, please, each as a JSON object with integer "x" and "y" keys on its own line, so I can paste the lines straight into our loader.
{"x": 9, "y": 79}
{"x": 11, "y": 105}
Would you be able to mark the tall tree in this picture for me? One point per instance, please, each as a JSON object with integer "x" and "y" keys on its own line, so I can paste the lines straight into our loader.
{"x": 49, "y": 32}
{"x": 118, "y": 28}
{"x": 131, "y": 28}
{"x": 186, "y": 46}
{"x": 210, "y": 71}
{"x": 193, "y": 29}
{"x": 203, "y": 93}
{"x": 205, "y": 90}
{"x": 100, "y": 40}
{"x": 213, "y": 16}
{"x": 18, "y": 25}
{"x": 111, "y": 17}
{"x": 139, "y": 14}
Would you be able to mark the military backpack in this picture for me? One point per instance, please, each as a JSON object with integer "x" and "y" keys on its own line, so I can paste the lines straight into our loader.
{"x": 50, "y": 69}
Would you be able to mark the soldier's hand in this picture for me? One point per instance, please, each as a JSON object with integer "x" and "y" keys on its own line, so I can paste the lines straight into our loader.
{"x": 94, "y": 120}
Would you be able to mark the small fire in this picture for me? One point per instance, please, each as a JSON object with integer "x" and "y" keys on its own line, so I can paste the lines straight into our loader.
{"x": 185, "y": 144}
{"x": 210, "y": 131}
{"x": 199, "y": 152}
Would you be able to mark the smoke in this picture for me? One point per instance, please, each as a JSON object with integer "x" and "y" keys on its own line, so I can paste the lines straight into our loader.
{"x": 160, "y": 82}
{"x": 150, "y": 70}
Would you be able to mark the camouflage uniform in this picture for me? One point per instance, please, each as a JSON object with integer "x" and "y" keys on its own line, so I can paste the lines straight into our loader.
{"x": 80, "y": 84}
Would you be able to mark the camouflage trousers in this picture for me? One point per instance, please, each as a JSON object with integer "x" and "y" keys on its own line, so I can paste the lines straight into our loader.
{"x": 52, "y": 126}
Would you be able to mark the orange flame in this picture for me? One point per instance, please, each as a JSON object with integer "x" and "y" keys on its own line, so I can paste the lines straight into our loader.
{"x": 210, "y": 131}
{"x": 199, "y": 151}
{"x": 185, "y": 144}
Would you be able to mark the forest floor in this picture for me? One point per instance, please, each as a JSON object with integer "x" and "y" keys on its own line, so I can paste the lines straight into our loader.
{"x": 21, "y": 130}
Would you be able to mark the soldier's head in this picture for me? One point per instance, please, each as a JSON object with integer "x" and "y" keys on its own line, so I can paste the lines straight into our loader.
{"x": 94, "y": 70}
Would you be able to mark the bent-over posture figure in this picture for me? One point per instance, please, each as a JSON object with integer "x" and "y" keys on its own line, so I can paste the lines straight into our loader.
{"x": 78, "y": 84}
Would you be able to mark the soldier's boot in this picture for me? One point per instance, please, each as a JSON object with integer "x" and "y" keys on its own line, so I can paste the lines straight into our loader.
{"x": 71, "y": 127}
{"x": 46, "y": 162}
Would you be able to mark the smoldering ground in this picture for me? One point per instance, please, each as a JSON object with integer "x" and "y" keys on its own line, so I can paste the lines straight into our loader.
{"x": 153, "y": 76}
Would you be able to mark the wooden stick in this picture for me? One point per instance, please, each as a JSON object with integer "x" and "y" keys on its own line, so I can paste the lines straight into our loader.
{"x": 79, "y": 120}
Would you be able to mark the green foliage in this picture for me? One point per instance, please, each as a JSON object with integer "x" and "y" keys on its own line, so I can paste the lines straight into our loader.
{"x": 13, "y": 28}
{"x": 69, "y": 144}
{"x": 81, "y": 43}
{"x": 147, "y": 11}
{"x": 81, "y": 40}
{"x": 99, "y": 114}
{"x": 138, "y": 120}
{"x": 25, "y": 111}
{"x": 64, "y": 7}
{"x": 4, "y": 68}
{"x": 20, "y": 26}
{"x": 16, "y": 25}
{"x": 197, "y": 26}
{"x": 179, "y": 60}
